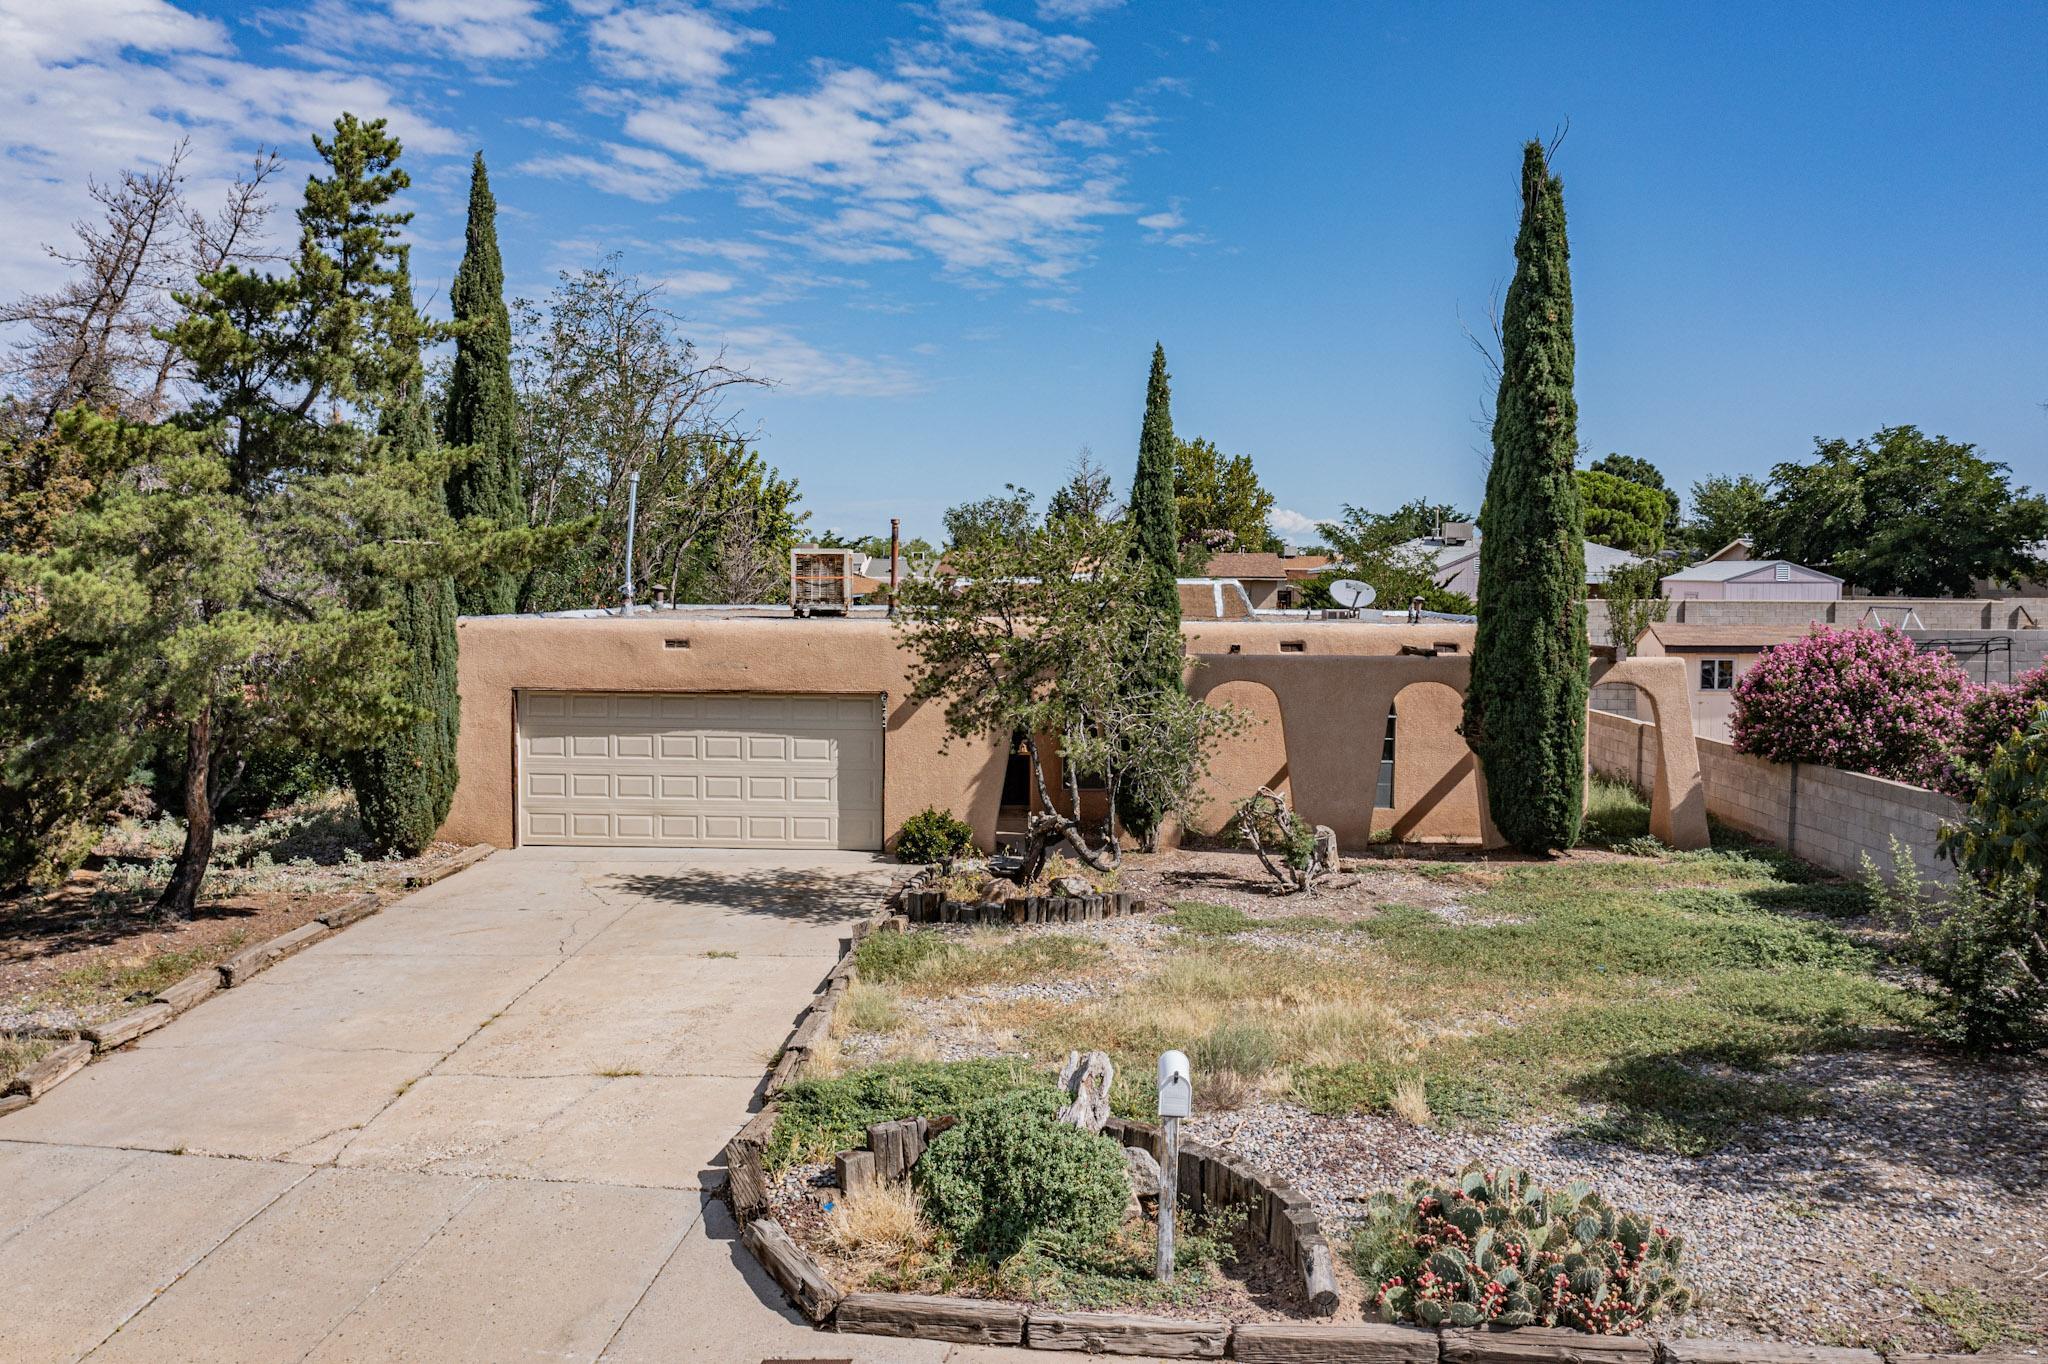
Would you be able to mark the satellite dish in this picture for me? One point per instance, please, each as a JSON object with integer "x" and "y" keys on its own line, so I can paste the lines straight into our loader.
{"x": 1352, "y": 593}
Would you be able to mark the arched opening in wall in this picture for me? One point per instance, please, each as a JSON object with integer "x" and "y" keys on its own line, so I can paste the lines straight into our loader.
{"x": 1241, "y": 764}
{"x": 1622, "y": 746}
{"x": 1431, "y": 775}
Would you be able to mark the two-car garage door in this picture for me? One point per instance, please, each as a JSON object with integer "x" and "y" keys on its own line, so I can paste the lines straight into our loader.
{"x": 710, "y": 771}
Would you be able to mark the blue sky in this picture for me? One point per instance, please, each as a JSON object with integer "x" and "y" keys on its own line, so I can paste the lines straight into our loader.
{"x": 953, "y": 229}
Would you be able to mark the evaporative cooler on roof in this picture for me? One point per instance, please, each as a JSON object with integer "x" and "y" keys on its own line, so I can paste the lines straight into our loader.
{"x": 820, "y": 579}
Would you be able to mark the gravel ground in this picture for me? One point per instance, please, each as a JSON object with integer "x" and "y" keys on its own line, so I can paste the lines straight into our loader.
{"x": 1810, "y": 1232}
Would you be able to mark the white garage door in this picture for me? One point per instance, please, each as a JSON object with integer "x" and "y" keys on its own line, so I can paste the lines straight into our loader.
{"x": 700, "y": 771}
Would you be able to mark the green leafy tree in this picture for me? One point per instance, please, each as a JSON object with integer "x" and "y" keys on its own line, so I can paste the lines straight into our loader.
{"x": 405, "y": 781}
{"x": 1218, "y": 503}
{"x": 80, "y": 703}
{"x": 239, "y": 545}
{"x": 1373, "y": 547}
{"x": 1725, "y": 510}
{"x": 1907, "y": 513}
{"x": 610, "y": 387}
{"x": 1640, "y": 471}
{"x": 481, "y": 412}
{"x": 1011, "y": 639}
{"x": 1633, "y": 604}
{"x": 1622, "y": 513}
{"x": 744, "y": 556}
{"x": 1525, "y": 711}
{"x": 1155, "y": 544}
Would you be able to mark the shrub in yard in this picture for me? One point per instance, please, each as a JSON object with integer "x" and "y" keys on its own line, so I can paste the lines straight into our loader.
{"x": 819, "y": 1117}
{"x": 1991, "y": 718}
{"x": 1007, "y": 1174}
{"x": 933, "y": 835}
{"x": 1984, "y": 947}
{"x": 1493, "y": 1247}
{"x": 1858, "y": 700}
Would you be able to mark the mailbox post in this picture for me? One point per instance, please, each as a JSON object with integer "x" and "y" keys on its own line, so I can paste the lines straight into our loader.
{"x": 1176, "y": 1101}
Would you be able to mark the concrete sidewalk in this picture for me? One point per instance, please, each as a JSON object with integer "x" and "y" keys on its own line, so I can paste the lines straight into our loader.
{"x": 482, "y": 1125}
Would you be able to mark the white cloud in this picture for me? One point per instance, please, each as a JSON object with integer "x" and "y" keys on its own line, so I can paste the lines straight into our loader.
{"x": 631, "y": 172}
{"x": 724, "y": 248}
{"x": 803, "y": 370}
{"x": 673, "y": 44}
{"x": 1284, "y": 522}
{"x": 1162, "y": 222}
{"x": 480, "y": 30}
{"x": 1074, "y": 11}
{"x": 1164, "y": 228}
{"x": 469, "y": 30}
{"x": 698, "y": 281}
{"x": 98, "y": 86}
{"x": 1044, "y": 56}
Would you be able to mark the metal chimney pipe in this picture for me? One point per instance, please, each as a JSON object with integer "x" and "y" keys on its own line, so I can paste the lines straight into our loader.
{"x": 632, "y": 519}
{"x": 895, "y": 551}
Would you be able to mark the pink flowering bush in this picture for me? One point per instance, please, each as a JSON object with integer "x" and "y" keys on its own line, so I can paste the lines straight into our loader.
{"x": 1858, "y": 700}
{"x": 1991, "y": 717}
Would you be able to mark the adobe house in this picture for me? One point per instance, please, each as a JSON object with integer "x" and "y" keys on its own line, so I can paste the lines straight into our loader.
{"x": 747, "y": 727}
{"x": 1272, "y": 582}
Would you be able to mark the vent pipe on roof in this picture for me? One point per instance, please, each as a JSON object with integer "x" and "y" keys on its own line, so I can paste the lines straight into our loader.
{"x": 632, "y": 518}
{"x": 895, "y": 552}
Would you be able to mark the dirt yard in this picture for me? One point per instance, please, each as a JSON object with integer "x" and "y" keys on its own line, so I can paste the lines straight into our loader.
{"x": 91, "y": 948}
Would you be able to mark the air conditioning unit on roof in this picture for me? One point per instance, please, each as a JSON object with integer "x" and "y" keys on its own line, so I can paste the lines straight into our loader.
{"x": 820, "y": 580}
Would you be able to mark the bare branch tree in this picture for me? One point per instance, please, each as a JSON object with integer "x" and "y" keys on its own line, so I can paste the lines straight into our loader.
{"x": 93, "y": 339}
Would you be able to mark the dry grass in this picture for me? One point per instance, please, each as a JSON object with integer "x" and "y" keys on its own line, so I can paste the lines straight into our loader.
{"x": 19, "y": 1053}
{"x": 1410, "y": 1101}
{"x": 826, "y": 1061}
{"x": 880, "y": 1226}
{"x": 929, "y": 965}
{"x": 869, "y": 1008}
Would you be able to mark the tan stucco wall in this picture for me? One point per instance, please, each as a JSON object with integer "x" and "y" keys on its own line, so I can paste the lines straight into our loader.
{"x": 501, "y": 655}
{"x": 1323, "y": 713}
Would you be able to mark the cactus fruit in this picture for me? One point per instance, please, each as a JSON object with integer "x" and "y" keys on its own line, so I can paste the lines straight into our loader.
{"x": 1493, "y": 1247}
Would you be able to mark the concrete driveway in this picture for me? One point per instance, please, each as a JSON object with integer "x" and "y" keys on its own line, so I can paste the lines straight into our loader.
{"x": 482, "y": 1125}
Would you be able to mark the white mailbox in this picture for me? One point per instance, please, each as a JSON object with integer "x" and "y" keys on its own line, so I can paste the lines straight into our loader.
{"x": 1176, "y": 1088}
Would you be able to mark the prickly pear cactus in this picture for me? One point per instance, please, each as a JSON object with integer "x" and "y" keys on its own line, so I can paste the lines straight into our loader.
{"x": 1492, "y": 1247}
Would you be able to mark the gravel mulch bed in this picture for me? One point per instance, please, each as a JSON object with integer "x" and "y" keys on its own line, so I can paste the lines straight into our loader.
{"x": 1923, "y": 1173}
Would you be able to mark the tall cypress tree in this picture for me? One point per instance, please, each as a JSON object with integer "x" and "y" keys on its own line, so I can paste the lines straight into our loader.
{"x": 481, "y": 410}
{"x": 1155, "y": 527}
{"x": 405, "y": 782}
{"x": 1525, "y": 712}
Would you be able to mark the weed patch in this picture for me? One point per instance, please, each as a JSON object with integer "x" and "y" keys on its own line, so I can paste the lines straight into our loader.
{"x": 820, "y": 1117}
{"x": 926, "y": 963}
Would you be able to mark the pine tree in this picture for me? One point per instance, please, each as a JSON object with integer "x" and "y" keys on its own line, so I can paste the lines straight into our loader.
{"x": 1525, "y": 712}
{"x": 1155, "y": 539}
{"x": 405, "y": 782}
{"x": 481, "y": 411}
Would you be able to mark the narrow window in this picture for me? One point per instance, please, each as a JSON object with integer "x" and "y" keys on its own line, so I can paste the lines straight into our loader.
{"x": 1383, "y": 794}
{"x": 1293, "y": 646}
{"x": 1286, "y": 599}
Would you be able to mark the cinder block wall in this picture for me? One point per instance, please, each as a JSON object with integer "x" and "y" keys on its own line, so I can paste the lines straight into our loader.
{"x": 1828, "y": 817}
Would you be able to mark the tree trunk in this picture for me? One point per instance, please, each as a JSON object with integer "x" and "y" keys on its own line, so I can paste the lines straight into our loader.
{"x": 181, "y": 896}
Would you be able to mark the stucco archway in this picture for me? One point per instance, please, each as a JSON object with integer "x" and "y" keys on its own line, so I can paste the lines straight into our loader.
{"x": 1244, "y": 762}
{"x": 1678, "y": 798}
{"x": 1436, "y": 792}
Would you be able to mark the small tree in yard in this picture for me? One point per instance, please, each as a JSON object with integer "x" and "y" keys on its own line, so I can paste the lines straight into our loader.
{"x": 1858, "y": 700}
{"x": 1633, "y": 605}
{"x": 1036, "y": 629}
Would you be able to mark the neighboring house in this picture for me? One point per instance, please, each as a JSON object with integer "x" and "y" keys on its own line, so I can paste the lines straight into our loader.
{"x": 1213, "y": 599}
{"x": 1715, "y": 657}
{"x": 1271, "y": 581}
{"x": 1455, "y": 554}
{"x": 1748, "y": 579}
{"x": 738, "y": 727}
{"x": 1734, "y": 551}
